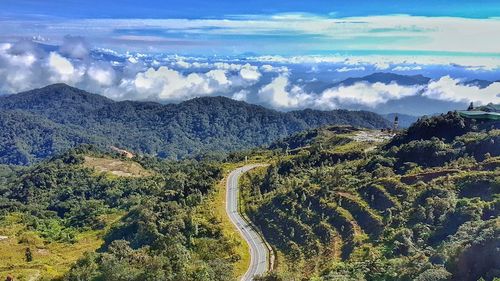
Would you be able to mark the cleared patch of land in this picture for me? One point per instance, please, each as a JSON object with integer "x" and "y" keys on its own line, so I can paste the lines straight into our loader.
{"x": 117, "y": 167}
{"x": 371, "y": 136}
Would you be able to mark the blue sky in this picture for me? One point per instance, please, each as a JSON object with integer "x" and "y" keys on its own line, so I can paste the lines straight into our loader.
{"x": 217, "y": 9}
{"x": 421, "y": 27}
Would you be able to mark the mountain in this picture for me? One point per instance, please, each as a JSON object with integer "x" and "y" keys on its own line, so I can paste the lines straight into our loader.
{"x": 342, "y": 204}
{"x": 39, "y": 123}
{"x": 407, "y": 107}
{"x": 480, "y": 83}
{"x": 414, "y": 105}
{"x": 419, "y": 105}
{"x": 335, "y": 203}
{"x": 380, "y": 77}
{"x": 387, "y": 78}
{"x": 489, "y": 108}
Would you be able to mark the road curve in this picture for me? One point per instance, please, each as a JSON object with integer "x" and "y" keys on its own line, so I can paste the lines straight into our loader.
{"x": 258, "y": 250}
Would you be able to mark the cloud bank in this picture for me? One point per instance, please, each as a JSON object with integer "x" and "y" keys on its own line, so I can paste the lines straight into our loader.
{"x": 277, "y": 82}
{"x": 450, "y": 89}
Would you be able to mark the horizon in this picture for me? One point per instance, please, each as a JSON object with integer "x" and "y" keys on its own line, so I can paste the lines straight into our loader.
{"x": 285, "y": 56}
{"x": 388, "y": 114}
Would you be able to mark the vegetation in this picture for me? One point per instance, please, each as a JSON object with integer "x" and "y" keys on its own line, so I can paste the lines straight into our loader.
{"x": 423, "y": 206}
{"x": 83, "y": 224}
{"x": 40, "y": 123}
{"x": 444, "y": 126}
{"x": 336, "y": 202}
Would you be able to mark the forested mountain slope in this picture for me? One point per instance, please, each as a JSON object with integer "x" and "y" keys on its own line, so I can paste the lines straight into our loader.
{"x": 344, "y": 204}
{"x": 145, "y": 220}
{"x": 46, "y": 121}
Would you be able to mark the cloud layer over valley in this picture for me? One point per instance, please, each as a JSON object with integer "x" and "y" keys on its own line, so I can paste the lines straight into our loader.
{"x": 283, "y": 83}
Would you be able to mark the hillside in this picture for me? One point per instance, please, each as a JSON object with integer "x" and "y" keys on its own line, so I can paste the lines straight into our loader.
{"x": 336, "y": 203}
{"x": 43, "y": 122}
{"x": 92, "y": 216}
{"x": 341, "y": 203}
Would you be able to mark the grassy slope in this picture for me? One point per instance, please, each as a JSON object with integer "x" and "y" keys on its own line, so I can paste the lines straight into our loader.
{"x": 50, "y": 260}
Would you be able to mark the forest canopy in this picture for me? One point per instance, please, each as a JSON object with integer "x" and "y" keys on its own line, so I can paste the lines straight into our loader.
{"x": 44, "y": 122}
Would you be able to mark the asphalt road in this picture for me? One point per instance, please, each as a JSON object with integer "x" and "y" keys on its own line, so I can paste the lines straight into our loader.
{"x": 258, "y": 250}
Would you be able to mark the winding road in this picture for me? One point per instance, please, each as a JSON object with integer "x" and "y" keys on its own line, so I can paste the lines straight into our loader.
{"x": 258, "y": 249}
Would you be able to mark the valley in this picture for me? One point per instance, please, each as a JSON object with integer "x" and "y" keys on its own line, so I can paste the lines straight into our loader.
{"x": 325, "y": 202}
{"x": 227, "y": 140}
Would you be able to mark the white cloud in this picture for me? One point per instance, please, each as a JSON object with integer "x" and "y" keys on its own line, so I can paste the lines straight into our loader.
{"x": 383, "y": 62}
{"x": 381, "y": 65}
{"x": 103, "y": 77}
{"x": 449, "y": 89}
{"x": 63, "y": 70}
{"x": 407, "y": 68}
{"x": 433, "y": 33}
{"x": 16, "y": 67}
{"x": 23, "y": 60}
{"x": 475, "y": 41}
{"x": 280, "y": 94}
{"x": 241, "y": 95}
{"x": 250, "y": 74}
{"x": 25, "y": 66}
{"x": 183, "y": 64}
{"x": 133, "y": 60}
{"x": 5, "y": 46}
{"x": 74, "y": 47}
{"x": 278, "y": 69}
{"x": 219, "y": 76}
{"x": 367, "y": 94}
{"x": 61, "y": 65}
{"x": 200, "y": 65}
{"x": 267, "y": 68}
{"x": 347, "y": 69}
{"x": 170, "y": 85}
{"x": 227, "y": 66}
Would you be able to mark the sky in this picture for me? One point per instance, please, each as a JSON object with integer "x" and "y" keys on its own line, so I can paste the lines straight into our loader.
{"x": 263, "y": 27}
{"x": 282, "y": 54}
{"x": 194, "y": 9}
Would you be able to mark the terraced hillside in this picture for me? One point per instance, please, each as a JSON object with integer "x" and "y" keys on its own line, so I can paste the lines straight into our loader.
{"x": 339, "y": 207}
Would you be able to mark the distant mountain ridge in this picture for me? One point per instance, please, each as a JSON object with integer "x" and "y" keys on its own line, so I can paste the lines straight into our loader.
{"x": 377, "y": 77}
{"x": 404, "y": 120}
{"x": 413, "y": 105}
{"x": 42, "y": 122}
{"x": 387, "y": 78}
